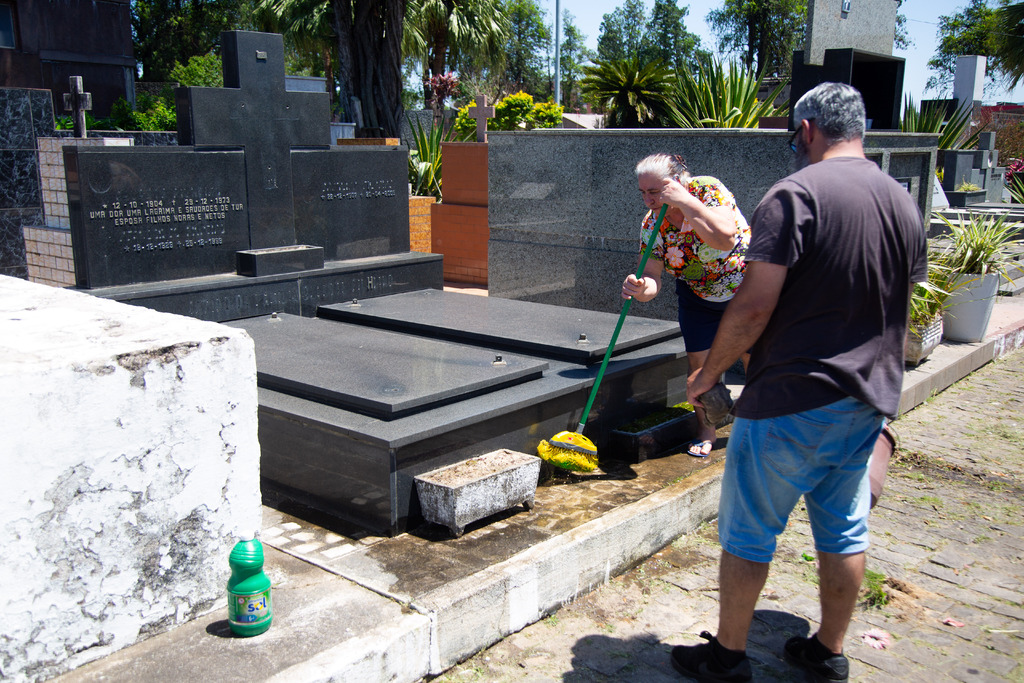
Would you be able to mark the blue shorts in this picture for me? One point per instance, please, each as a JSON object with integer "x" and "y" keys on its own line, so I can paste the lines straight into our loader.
{"x": 821, "y": 454}
{"x": 698, "y": 319}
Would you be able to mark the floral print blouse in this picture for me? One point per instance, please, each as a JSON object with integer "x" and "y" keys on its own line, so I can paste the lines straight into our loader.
{"x": 712, "y": 274}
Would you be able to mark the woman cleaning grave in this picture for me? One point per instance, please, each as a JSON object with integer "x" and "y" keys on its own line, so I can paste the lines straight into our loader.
{"x": 702, "y": 243}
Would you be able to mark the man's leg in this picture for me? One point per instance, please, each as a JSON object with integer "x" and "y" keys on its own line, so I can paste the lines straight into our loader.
{"x": 840, "y": 578}
{"x": 739, "y": 585}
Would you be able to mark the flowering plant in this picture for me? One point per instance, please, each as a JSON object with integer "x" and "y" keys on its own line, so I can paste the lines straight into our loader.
{"x": 1015, "y": 166}
{"x": 443, "y": 86}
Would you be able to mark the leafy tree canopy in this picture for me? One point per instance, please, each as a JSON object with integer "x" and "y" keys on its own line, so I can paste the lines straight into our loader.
{"x": 1010, "y": 41}
{"x": 525, "y": 48}
{"x": 629, "y": 33}
{"x": 970, "y": 31}
{"x": 168, "y": 31}
{"x": 573, "y": 55}
{"x": 763, "y": 33}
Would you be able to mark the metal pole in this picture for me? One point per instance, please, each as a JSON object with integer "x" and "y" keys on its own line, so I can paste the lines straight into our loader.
{"x": 558, "y": 52}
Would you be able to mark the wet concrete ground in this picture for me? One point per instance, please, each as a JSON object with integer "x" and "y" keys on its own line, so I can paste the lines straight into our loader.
{"x": 947, "y": 561}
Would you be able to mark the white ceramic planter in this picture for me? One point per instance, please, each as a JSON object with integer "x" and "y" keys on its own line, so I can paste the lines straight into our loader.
{"x": 459, "y": 494}
{"x": 922, "y": 341}
{"x": 970, "y": 307}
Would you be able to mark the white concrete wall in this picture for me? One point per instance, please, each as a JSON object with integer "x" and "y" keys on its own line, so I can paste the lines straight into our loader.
{"x": 130, "y": 463}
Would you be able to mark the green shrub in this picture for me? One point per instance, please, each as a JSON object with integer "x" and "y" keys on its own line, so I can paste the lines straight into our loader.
{"x": 511, "y": 113}
{"x": 546, "y": 115}
{"x": 201, "y": 70}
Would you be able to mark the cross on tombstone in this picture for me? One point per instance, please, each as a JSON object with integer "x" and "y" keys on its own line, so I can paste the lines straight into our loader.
{"x": 77, "y": 101}
{"x": 481, "y": 112}
{"x": 254, "y": 111}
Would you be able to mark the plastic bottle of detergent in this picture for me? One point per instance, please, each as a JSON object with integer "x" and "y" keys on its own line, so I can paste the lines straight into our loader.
{"x": 249, "y": 607}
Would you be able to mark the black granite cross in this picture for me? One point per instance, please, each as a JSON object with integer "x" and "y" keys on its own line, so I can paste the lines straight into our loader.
{"x": 254, "y": 111}
{"x": 77, "y": 101}
{"x": 481, "y": 112}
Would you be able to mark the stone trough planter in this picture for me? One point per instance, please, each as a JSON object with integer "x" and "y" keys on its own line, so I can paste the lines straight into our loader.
{"x": 459, "y": 494}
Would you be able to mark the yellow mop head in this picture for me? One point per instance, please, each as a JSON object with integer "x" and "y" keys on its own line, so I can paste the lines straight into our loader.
{"x": 570, "y": 451}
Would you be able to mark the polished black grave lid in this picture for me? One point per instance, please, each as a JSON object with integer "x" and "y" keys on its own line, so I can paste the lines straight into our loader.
{"x": 375, "y": 372}
{"x": 556, "y": 332}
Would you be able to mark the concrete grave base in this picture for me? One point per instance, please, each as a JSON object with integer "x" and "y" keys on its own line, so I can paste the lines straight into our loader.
{"x": 131, "y": 463}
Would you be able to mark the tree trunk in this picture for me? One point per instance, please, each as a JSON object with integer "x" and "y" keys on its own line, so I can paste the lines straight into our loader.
{"x": 370, "y": 61}
{"x": 346, "y": 59}
{"x": 329, "y": 77}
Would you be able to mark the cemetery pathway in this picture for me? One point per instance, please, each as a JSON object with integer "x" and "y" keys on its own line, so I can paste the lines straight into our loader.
{"x": 947, "y": 555}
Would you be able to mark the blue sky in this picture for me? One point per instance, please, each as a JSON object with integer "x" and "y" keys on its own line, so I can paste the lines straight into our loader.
{"x": 922, "y": 25}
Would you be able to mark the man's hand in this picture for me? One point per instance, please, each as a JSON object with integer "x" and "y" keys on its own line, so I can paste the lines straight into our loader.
{"x": 696, "y": 384}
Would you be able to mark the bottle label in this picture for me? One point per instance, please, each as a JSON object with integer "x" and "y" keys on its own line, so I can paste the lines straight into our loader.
{"x": 249, "y": 609}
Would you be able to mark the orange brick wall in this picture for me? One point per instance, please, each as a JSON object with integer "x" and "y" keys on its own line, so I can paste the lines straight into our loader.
{"x": 464, "y": 173}
{"x": 461, "y": 234}
{"x": 419, "y": 223}
{"x": 458, "y": 225}
{"x": 48, "y": 252}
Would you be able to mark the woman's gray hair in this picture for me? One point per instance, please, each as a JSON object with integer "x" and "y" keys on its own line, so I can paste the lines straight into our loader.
{"x": 837, "y": 110}
{"x": 662, "y": 166}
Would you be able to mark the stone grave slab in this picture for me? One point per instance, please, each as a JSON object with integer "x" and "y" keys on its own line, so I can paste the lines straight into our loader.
{"x": 146, "y": 215}
{"x": 382, "y": 374}
{"x": 362, "y": 469}
{"x": 555, "y": 332}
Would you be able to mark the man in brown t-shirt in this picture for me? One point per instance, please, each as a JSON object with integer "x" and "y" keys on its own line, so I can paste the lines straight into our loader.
{"x": 835, "y": 249}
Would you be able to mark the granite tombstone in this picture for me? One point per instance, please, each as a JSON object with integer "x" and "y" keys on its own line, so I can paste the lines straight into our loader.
{"x": 851, "y": 42}
{"x": 254, "y": 191}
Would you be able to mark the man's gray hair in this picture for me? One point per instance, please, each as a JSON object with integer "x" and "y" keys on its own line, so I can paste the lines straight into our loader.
{"x": 837, "y": 110}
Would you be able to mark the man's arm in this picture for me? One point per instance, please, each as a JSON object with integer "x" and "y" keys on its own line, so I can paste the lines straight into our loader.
{"x": 745, "y": 319}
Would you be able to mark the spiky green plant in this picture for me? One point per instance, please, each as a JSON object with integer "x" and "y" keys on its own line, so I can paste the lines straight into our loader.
{"x": 930, "y": 298}
{"x": 633, "y": 95}
{"x": 720, "y": 96}
{"x": 1016, "y": 188}
{"x": 425, "y": 160}
{"x": 931, "y": 118}
{"x": 978, "y": 244}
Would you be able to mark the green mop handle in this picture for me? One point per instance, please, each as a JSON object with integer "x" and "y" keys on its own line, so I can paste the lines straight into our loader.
{"x": 622, "y": 317}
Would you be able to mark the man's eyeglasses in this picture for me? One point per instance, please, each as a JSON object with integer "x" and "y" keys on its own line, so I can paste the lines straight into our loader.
{"x": 792, "y": 138}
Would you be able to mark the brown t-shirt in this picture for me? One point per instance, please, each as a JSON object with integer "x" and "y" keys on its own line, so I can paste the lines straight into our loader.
{"x": 853, "y": 241}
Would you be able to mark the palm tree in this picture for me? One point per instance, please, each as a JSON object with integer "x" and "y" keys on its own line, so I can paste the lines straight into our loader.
{"x": 1010, "y": 41}
{"x": 634, "y": 95}
{"x": 444, "y": 32}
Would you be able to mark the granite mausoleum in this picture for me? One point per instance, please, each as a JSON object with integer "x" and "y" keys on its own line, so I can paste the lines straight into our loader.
{"x": 369, "y": 374}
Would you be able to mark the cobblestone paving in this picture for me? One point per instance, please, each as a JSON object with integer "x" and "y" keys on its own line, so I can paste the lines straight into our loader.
{"x": 947, "y": 555}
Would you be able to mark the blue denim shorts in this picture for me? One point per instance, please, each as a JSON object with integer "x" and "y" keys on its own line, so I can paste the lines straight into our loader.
{"x": 820, "y": 454}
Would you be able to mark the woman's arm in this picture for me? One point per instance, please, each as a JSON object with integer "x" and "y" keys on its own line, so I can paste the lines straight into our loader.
{"x": 715, "y": 225}
{"x": 646, "y": 288}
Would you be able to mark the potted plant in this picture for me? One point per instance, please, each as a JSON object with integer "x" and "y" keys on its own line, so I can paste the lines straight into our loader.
{"x": 977, "y": 257}
{"x": 928, "y": 300}
{"x": 966, "y": 194}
